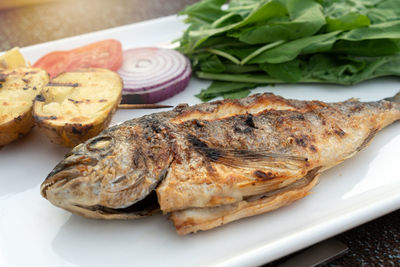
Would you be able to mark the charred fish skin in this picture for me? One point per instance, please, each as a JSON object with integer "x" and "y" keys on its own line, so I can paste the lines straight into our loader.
{"x": 104, "y": 176}
{"x": 213, "y": 157}
{"x": 266, "y": 129}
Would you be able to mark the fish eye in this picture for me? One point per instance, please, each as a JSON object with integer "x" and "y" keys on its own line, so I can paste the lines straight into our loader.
{"x": 99, "y": 143}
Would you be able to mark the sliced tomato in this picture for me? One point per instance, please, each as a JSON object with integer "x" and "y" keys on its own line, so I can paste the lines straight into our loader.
{"x": 104, "y": 54}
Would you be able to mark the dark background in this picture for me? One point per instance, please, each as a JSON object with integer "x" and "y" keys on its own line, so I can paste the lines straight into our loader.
{"x": 372, "y": 244}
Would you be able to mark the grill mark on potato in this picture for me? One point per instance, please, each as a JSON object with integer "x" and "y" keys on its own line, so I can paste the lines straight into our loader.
{"x": 78, "y": 128}
{"x": 3, "y": 77}
{"x": 40, "y": 98}
{"x": 41, "y": 118}
{"x": 87, "y": 101}
{"x": 29, "y": 72}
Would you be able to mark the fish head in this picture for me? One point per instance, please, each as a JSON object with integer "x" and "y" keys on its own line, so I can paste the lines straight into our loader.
{"x": 110, "y": 175}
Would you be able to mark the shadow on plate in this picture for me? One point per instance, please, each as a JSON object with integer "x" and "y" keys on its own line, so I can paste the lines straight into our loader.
{"x": 25, "y": 163}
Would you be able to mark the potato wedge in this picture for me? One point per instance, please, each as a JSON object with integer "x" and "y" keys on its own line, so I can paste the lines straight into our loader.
{"x": 12, "y": 59}
{"x": 78, "y": 105}
{"x": 18, "y": 88}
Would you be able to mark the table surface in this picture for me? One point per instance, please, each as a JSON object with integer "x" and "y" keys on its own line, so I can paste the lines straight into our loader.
{"x": 374, "y": 243}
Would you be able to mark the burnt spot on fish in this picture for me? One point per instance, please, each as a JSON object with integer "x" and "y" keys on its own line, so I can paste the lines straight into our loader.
{"x": 196, "y": 142}
{"x": 279, "y": 120}
{"x": 263, "y": 175}
{"x": 298, "y": 117}
{"x": 244, "y": 124}
{"x": 339, "y": 132}
{"x": 368, "y": 139}
{"x": 139, "y": 157}
{"x": 357, "y": 107}
{"x": 156, "y": 128}
{"x": 212, "y": 154}
{"x": 250, "y": 122}
{"x": 240, "y": 129}
{"x": 313, "y": 148}
{"x": 301, "y": 142}
{"x": 198, "y": 124}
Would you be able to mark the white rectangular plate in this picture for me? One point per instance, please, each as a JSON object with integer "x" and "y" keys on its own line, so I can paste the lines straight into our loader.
{"x": 35, "y": 233}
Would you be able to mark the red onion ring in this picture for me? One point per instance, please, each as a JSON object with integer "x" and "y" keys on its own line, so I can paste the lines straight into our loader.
{"x": 152, "y": 74}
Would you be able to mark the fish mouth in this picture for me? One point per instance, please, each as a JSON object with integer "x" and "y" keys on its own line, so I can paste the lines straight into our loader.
{"x": 145, "y": 207}
{"x": 66, "y": 171}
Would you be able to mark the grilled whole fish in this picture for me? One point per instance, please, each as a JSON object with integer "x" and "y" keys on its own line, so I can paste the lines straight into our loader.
{"x": 214, "y": 163}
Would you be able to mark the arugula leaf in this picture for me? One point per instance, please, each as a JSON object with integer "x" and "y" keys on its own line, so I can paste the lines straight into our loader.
{"x": 384, "y": 30}
{"x": 258, "y": 42}
{"x": 305, "y": 18}
{"x": 371, "y": 48}
{"x": 206, "y": 10}
{"x": 212, "y": 64}
{"x": 237, "y": 94}
{"x": 292, "y": 49}
{"x": 266, "y": 10}
{"x": 224, "y": 88}
{"x": 349, "y": 21}
{"x": 289, "y": 71}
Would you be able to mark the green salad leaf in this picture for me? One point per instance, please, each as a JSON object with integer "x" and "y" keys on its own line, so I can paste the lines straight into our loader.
{"x": 248, "y": 43}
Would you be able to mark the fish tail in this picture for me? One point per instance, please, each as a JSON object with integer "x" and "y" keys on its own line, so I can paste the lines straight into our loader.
{"x": 395, "y": 98}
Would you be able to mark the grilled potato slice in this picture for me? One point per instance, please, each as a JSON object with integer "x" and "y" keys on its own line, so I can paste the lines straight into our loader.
{"x": 78, "y": 105}
{"x": 18, "y": 88}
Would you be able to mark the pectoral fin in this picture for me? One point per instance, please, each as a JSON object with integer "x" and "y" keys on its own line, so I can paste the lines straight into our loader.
{"x": 252, "y": 158}
{"x": 247, "y": 158}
